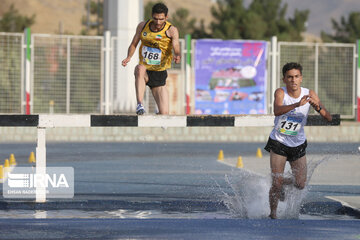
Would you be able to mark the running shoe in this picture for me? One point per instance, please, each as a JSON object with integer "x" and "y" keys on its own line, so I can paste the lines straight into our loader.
{"x": 140, "y": 110}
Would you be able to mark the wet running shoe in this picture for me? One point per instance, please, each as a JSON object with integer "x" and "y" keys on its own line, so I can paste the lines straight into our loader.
{"x": 140, "y": 110}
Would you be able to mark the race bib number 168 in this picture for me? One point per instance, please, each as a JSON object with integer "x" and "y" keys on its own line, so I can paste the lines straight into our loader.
{"x": 152, "y": 56}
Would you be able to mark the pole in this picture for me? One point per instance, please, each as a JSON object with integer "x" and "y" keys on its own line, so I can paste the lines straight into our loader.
{"x": 41, "y": 163}
{"x": 188, "y": 72}
{"x": 27, "y": 69}
{"x": 358, "y": 81}
{"x": 107, "y": 50}
{"x": 273, "y": 69}
{"x": 121, "y": 19}
{"x": 68, "y": 75}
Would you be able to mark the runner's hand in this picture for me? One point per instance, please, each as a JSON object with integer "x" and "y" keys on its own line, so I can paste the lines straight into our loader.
{"x": 304, "y": 100}
{"x": 314, "y": 102}
{"x": 125, "y": 62}
{"x": 177, "y": 58}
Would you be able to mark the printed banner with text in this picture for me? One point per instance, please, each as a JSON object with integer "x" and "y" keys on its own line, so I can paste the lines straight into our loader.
{"x": 230, "y": 77}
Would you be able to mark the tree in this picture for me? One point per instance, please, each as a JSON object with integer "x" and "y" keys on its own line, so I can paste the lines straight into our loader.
{"x": 261, "y": 20}
{"x": 94, "y": 10}
{"x": 181, "y": 19}
{"x": 10, "y": 58}
{"x": 200, "y": 31}
{"x": 12, "y": 21}
{"x": 346, "y": 31}
{"x": 229, "y": 21}
{"x": 148, "y": 10}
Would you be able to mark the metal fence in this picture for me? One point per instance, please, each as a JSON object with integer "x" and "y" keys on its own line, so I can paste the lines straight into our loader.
{"x": 329, "y": 69}
{"x": 11, "y": 72}
{"x": 67, "y": 74}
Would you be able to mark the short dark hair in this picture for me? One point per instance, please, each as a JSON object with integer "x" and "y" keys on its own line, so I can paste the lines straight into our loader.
{"x": 160, "y": 8}
{"x": 291, "y": 65}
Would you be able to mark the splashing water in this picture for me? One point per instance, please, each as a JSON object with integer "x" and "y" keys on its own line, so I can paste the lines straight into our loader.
{"x": 249, "y": 197}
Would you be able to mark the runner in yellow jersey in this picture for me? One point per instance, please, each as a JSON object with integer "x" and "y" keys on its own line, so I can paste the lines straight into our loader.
{"x": 158, "y": 40}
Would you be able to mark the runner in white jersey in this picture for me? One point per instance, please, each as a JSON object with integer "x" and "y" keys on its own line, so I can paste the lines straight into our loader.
{"x": 287, "y": 141}
{"x": 289, "y": 127}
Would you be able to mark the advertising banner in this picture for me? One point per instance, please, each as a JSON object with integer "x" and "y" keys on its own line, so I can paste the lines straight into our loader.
{"x": 230, "y": 77}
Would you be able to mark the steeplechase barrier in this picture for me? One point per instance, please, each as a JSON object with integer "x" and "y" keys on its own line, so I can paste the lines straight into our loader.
{"x": 44, "y": 121}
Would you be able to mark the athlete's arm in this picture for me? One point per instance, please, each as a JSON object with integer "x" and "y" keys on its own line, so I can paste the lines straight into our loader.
{"x": 280, "y": 108}
{"x": 174, "y": 35}
{"x": 318, "y": 106}
{"x": 133, "y": 44}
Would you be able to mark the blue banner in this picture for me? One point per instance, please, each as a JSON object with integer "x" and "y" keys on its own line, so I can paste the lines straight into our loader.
{"x": 230, "y": 77}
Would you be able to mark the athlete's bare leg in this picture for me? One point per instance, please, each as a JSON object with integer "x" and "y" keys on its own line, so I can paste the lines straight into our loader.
{"x": 141, "y": 78}
{"x": 161, "y": 96}
{"x": 299, "y": 170}
{"x": 277, "y": 164}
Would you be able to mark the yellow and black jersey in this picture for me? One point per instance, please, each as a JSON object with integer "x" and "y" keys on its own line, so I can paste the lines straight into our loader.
{"x": 156, "y": 48}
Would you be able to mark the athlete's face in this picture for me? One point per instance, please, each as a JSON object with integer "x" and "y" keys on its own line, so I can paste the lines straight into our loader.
{"x": 293, "y": 79}
{"x": 159, "y": 20}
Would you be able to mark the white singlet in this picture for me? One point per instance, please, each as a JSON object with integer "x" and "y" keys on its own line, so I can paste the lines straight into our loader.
{"x": 289, "y": 127}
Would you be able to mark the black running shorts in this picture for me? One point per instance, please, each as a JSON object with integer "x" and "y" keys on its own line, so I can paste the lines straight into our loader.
{"x": 156, "y": 78}
{"x": 292, "y": 153}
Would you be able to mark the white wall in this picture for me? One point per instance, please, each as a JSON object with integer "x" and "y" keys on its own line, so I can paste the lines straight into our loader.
{"x": 121, "y": 18}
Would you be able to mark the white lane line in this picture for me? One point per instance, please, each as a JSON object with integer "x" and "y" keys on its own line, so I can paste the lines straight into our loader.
{"x": 344, "y": 202}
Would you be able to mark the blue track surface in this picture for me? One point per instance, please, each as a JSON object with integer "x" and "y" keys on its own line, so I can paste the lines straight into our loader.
{"x": 169, "y": 179}
{"x": 179, "y": 229}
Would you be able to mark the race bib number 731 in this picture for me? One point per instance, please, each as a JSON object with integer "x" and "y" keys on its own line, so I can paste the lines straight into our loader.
{"x": 289, "y": 125}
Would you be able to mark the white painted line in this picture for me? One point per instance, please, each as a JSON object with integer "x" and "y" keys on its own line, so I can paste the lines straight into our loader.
{"x": 226, "y": 163}
{"x": 343, "y": 202}
{"x": 50, "y": 121}
{"x": 254, "y": 120}
{"x": 161, "y": 121}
